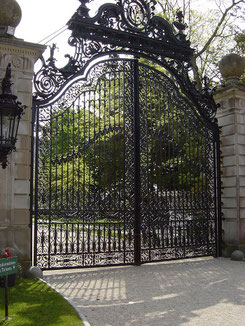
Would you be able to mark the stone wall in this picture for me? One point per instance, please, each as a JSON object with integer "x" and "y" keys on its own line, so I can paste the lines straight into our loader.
{"x": 15, "y": 179}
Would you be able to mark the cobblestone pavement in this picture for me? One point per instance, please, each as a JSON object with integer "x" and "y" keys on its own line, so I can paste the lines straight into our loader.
{"x": 197, "y": 292}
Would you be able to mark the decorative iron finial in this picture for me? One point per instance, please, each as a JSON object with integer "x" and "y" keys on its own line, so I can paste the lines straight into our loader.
{"x": 180, "y": 25}
{"x": 6, "y": 83}
{"x": 180, "y": 16}
{"x": 152, "y": 6}
{"x": 83, "y": 9}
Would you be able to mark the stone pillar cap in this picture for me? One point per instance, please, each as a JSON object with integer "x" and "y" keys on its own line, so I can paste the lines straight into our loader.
{"x": 232, "y": 67}
{"x": 10, "y": 17}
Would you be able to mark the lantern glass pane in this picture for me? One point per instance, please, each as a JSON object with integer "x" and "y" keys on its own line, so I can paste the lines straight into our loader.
{"x": 5, "y": 122}
{"x": 16, "y": 121}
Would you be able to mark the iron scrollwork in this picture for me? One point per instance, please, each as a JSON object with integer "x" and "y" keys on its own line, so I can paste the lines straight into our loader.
{"x": 128, "y": 26}
{"x": 49, "y": 79}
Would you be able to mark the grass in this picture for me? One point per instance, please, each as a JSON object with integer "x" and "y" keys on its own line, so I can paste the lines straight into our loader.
{"x": 31, "y": 302}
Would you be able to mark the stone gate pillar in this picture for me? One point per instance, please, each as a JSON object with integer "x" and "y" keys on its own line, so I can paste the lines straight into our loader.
{"x": 15, "y": 231}
{"x": 231, "y": 117}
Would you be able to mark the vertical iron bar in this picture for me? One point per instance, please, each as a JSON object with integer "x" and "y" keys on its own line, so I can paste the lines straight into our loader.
{"x": 217, "y": 185}
{"x": 124, "y": 161}
{"x": 99, "y": 143}
{"x": 152, "y": 195}
{"x": 119, "y": 125}
{"x": 84, "y": 159}
{"x": 73, "y": 156}
{"x": 88, "y": 101}
{"x": 109, "y": 140}
{"x": 99, "y": 237}
{"x": 55, "y": 238}
{"x": 94, "y": 150}
{"x": 6, "y": 298}
{"x": 148, "y": 131}
{"x": 50, "y": 185}
{"x": 56, "y": 163}
{"x": 83, "y": 240}
{"x": 67, "y": 161}
{"x": 79, "y": 157}
{"x": 137, "y": 214}
{"x": 206, "y": 186}
{"x": 78, "y": 236}
{"x": 36, "y": 187}
{"x": 62, "y": 162}
{"x": 67, "y": 239}
{"x": 32, "y": 178}
{"x": 114, "y": 145}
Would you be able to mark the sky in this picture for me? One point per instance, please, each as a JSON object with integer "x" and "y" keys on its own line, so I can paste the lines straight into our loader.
{"x": 41, "y": 18}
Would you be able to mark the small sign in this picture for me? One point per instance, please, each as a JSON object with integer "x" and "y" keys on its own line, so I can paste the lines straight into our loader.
{"x": 8, "y": 266}
{"x": 10, "y": 30}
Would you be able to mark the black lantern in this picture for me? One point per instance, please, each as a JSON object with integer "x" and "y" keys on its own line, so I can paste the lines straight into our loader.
{"x": 10, "y": 114}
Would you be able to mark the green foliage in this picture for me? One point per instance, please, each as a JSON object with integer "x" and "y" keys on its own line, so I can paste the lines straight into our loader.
{"x": 211, "y": 30}
{"x": 240, "y": 47}
{"x": 240, "y": 43}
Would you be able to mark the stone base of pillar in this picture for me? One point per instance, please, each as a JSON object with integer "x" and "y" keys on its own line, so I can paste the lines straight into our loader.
{"x": 228, "y": 249}
{"x": 25, "y": 265}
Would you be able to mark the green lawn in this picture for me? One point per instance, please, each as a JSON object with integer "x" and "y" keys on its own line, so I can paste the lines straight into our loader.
{"x": 32, "y": 303}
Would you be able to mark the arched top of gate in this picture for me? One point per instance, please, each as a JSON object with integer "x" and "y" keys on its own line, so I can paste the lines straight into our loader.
{"x": 127, "y": 27}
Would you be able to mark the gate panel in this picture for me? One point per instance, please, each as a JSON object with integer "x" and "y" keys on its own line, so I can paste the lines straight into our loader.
{"x": 127, "y": 155}
{"x": 125, "y": 172}
{"x": 85, "y": 180}
{"x": 177, "y": 173}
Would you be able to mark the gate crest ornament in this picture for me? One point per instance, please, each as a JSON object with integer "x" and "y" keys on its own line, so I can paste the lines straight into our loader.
{"x": 137, "y": 13}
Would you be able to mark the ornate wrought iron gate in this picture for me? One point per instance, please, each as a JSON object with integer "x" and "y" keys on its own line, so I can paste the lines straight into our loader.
{"x": 126, "y": 160}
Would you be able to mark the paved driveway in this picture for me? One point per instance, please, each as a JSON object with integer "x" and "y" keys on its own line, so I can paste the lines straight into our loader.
{"x": 200, "y": 292}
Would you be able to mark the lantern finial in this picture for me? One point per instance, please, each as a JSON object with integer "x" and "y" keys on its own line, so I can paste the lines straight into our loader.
{"x": 6, "y": 83}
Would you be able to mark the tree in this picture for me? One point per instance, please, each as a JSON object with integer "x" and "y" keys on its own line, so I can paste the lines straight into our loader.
{"x": 240, "y": 42}
{"x": 212, "y": 32}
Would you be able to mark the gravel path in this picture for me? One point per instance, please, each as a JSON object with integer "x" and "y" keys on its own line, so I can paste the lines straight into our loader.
{"x": 198, "y": 292}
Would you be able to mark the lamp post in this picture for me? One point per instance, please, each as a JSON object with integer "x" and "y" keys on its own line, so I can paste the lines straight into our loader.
{"x": 10, "y": 114}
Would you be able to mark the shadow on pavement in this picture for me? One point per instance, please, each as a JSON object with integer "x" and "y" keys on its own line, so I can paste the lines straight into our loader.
{"x": 195, "y": 292}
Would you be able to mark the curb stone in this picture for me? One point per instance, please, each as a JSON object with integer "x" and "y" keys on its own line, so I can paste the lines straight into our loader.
{"x": 81, "y": 315}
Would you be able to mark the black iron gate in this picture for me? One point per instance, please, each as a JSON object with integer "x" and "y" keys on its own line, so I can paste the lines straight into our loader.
{"x": 126, "y": 149}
